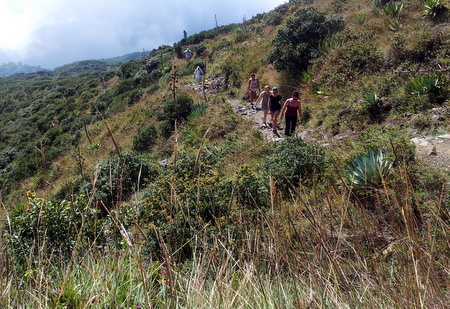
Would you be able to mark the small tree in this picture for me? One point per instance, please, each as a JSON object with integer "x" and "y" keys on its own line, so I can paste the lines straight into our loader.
{"x": 175, "y": 110}
{"x": 301, "y": 35}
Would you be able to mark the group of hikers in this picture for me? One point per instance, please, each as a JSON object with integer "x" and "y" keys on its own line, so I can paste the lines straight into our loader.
{"x": 271, "y": 102}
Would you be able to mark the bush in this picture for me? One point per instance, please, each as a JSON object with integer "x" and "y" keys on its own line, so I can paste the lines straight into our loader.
{"x": 302, "y": 33}
{"x": 398, "y": 143}
{"x": 425, "y": 92}
{"x": 434, "y": 8}
{"x": 116, "y": 179}
{"x": 6, "y": 156}
{"x": 273, "y": 18}
{"x": 296, "y": 162}
{"x": 174, "y": 111}
{"x": 349, "y": 61}
{"x": 381, "y": 3}
{"x": 145, "y": 138}
{"x": 50, "y": 228}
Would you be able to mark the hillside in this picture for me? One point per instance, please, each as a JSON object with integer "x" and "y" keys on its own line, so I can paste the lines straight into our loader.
{"x": 14, "y": 68}
{"x": 131, "y": 186}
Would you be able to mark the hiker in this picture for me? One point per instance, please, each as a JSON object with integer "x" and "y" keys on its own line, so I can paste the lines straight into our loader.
{"x": 187, "y": 54}
{"x": 291, "y": 108}
{"x": 264, "y": 99}
{"x": 198, "y": 73}
{"x": 275, "y": 104}
{"x": 253, "y": 87}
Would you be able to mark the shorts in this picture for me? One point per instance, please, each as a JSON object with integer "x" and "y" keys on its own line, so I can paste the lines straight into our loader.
{"x": 275, "y": 111}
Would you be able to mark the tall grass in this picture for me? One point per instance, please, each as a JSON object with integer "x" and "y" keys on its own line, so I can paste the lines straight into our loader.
{"x": 318, "y": 249}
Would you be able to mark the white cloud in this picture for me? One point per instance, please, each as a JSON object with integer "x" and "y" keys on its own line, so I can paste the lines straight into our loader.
{"x": 55, "y": 32}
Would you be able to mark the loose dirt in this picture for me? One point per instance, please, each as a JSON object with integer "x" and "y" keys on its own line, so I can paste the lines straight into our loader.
{"x": 433, "y": 150}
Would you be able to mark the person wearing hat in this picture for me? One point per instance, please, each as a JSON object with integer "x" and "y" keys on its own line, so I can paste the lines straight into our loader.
{"x": 187, "y": 54}
{"x": 198, "y": 74}
{"x": 291, "y": 108}
{"x": 275, "y": 104}
{"x": 253, "y": 87}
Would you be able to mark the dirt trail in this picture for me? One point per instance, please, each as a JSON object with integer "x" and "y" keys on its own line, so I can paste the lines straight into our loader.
{"x": 256, "y": 117}
{"x": 434, "y": 150}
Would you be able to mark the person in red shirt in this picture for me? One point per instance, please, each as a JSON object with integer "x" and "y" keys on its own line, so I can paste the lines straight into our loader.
{"x": 291, "y": 108}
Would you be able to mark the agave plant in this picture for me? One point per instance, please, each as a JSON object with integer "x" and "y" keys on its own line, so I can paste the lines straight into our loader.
{"x": 360, "y": 18}
{"x": 423, "y": 85}
{"x": 393, "y": 9}
{"x": 432, "y": 7}
{"x": 394, "y": 25}
{"x": 368, "y": 170}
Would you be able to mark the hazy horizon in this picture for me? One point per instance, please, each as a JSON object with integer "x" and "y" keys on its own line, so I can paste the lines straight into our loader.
{"x": 52, "y": 33}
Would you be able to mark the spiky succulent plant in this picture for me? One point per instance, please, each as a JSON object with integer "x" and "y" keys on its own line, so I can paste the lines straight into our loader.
{"x": 368, "y": 170}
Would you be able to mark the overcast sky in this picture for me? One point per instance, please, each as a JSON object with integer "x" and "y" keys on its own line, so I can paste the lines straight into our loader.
{"x": 51, "y": 33}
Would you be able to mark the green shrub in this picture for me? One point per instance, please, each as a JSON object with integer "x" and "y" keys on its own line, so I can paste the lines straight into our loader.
{"x": 174, "y": 111}
{"x": 296, "y": 162}
{"x": 426, "y": 91}
{"x": 273, "y": 18}
{"x": 349, "y": 61}
{"x": 51, "y": 228}
{"x": 397, "y": 142}
{"x": 381, "y": 3}
{"x": 393, "y": 9}
{"x": 360, "y": 18}
{"x": 221, "y": 45}
{"x": 231, "y": 73}
{"x": 145, "y": 138}
{"x": 302, "y": 33}
{"x": 116, "y": 179}
{"x": 199, "y": 50}
{"x": 251, "y": 190}
{"x": 359, "y": 57}
{"x": 130, "y": 68}
{"x": 6, "y": 156}
{"x": 242, "y": 37}
{"x": 422, "y": 85}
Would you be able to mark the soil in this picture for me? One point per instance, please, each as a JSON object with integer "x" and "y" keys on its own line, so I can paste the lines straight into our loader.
{"x": 432, "y": 150}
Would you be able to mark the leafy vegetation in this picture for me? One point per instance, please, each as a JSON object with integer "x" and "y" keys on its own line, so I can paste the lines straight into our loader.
{"x": 369, "y": 170}
{"x": 302, "y": 33}
{"x": 433, "y": 8}
{"x": 145, "y": 190}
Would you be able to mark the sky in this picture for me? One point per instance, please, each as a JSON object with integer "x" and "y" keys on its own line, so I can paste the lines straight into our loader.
{"x": 51, "y": 33}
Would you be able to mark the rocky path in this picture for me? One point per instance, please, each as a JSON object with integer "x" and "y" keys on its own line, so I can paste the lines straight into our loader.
{"x": 255, "y": 116}
{"x": 433, "y": 150}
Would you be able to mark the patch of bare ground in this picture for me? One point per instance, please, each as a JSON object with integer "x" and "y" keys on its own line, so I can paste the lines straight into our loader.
{"x": 433, "y": 150}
